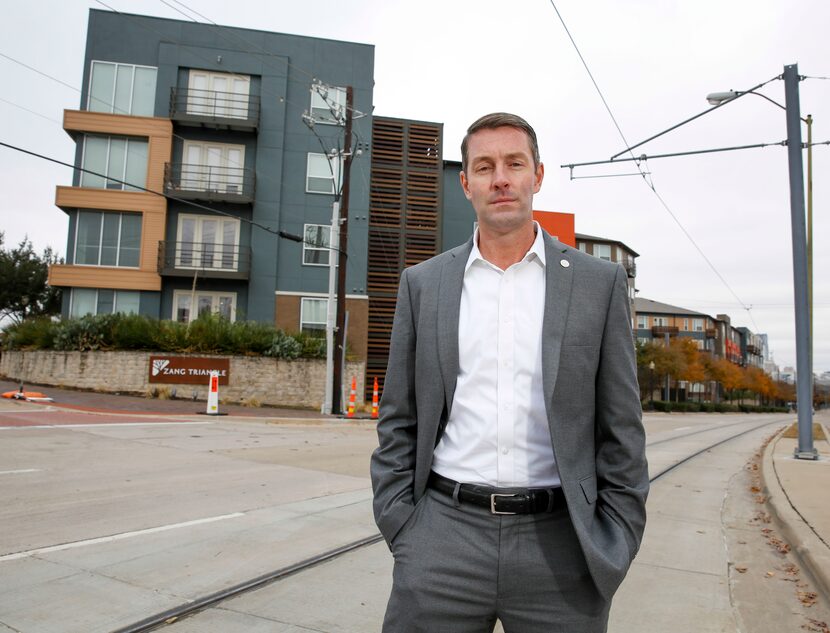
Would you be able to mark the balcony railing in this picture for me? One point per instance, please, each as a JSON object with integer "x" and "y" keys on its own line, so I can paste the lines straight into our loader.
{"x": 207, "y": 182}
{"x": 753, "y": 349}
{"x": 204, "y": 259}
{"x": 662, "y": 330}
{"x": 630, "y": 266}
{"x": 711, "y": 332}
{"x": 213, "y": 109}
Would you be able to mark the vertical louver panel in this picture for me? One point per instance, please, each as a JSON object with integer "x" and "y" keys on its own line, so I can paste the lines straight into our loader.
{"x": 404, "y": 213}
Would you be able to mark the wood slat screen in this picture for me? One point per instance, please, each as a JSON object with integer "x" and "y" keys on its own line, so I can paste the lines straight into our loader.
{"x": 404, "y": 213}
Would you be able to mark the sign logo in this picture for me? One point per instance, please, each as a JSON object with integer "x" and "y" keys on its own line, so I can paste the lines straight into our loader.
{"x": 159, "y": 365}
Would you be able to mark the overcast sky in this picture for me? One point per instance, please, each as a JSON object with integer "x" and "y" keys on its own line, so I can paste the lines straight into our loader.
{"x": 453, "y": 60}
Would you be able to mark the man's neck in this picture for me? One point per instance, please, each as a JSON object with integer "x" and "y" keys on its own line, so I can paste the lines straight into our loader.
{"x": 505, "y": 249}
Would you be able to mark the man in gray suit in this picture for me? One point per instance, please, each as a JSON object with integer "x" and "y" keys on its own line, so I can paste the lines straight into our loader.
{"x": 510, "y": 479}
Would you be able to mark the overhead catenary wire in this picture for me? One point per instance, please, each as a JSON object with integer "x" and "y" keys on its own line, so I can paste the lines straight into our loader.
{"x": 648, "y": 180}
{"x": 190, "y": 203}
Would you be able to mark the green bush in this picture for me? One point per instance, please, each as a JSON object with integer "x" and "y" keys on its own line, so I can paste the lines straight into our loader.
{"x": 209, "y": 334}
{"x": 37, "y": 333}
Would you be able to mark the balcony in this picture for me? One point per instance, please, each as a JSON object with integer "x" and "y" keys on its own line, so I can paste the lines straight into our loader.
{"x": 211, "y": 183}
{"x": 203, "y": 259}
{"x": 215, "y": 110}
{"x": 630, "y": 267}
{"x": 753, "y": 349}
{"x": 711, "y": 332}
{"x": 662, "y": 330}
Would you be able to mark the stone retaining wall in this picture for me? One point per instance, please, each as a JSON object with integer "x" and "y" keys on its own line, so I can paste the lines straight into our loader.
{"x": 296, "y": 383}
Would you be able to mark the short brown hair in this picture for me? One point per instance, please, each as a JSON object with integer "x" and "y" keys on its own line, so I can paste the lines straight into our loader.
{"x": 500, "y": 119}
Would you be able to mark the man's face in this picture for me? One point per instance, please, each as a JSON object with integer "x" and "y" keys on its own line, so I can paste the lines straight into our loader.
{"x": 500, "y": 179}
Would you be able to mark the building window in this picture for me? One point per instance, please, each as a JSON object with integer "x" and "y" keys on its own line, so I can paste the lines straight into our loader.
{"x": 582, "y": 247}
{"x": 685, "y": 325}
{"x": 114, "y": 161}
{"x": 313, "y": 315}
{"x": 221, "y": 95}
{"x": 642, "y": 322}
{"x": 213, "y": 167}
{"x": 316, "y": 244}
{"x": 207, "y": 242}
{"x": 328, "y": 105}
{"x": 603, "y": 251}
{"x": 108, "y": 239}
{"x": 85, "y": 301}
{"x": 122, "y": 89}
{"x": 660, "y": 321}
{"x": 322, "y": 173}
{"x": 185, "y": 303}
{"x": 697, "y": 324}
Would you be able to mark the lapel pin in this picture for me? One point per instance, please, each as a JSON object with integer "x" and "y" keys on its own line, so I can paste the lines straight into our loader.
{"x": 564, "y": 263}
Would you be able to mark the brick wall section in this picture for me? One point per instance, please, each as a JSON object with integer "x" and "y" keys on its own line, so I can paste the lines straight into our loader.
{"x": 297, "y": 383}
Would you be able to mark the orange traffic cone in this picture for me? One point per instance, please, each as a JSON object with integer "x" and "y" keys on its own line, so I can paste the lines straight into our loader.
{"x": 352, "y": 395}
{"x": 375, "y": 400}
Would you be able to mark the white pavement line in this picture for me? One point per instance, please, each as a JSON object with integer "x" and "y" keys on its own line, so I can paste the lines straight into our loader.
{"x": 117, "y": 537}
{"x": 99, "y": 426}
{"x": 18, "y": 472}
{"x": 682, "y": 428}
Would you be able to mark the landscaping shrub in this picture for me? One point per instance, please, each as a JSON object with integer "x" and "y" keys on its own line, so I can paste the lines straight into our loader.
{"x": 208, "y": 334}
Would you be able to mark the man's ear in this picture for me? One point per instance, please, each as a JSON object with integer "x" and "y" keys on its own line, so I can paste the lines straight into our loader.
{"x": 465, "y": 185}
{"x": 539, "y": 177}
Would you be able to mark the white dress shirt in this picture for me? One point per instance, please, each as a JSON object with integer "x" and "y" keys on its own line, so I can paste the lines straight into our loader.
{"x": 497, "y": 433}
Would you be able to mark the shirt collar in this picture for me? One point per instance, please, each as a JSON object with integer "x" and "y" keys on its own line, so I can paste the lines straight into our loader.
{"x": 537, "y": 249}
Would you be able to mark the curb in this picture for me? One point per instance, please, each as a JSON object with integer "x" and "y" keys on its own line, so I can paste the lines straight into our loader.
{"x": 811, "y": 552}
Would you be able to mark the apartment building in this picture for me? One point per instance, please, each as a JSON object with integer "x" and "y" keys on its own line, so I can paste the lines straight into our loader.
{"x": 213, "y": 118}
{"x": 655, "y": 321}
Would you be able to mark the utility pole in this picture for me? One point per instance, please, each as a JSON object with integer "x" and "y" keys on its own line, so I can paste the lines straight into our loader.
{"x": 804, "y": 373}
{"x": 340, "y": 330}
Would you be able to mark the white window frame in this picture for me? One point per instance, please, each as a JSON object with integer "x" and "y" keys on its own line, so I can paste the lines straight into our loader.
{"x": 123, "y": 175}
{"x": 697, "y": 325}
{"x": 303, "y": 302}
{"x": 103, "y": 213}
{"x": 239, "y": 100}
{"x": 660, "y": 321}
{"x": 598, "y": 248}
{"x": 111, "y": 104}
{"x": 226, "y": 182}
{"x": 330, "y": 164}
{"x": 582, "y": 247}
{"x": 642, "y": 321}
{"x": 191, "y": 296}
{"x": 219, "y": 256}
{"x": 96, "y": 290}
{"x": 325, "y": 248}
{"x": 320, "y": 109}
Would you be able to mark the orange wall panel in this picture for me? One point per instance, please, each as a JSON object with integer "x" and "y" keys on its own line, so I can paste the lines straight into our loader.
{"x": 63, "y": 275}
{"x": 560, "y": 225}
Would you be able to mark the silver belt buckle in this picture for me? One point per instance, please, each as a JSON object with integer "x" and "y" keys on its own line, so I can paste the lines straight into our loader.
{"x": 493, "y": 502}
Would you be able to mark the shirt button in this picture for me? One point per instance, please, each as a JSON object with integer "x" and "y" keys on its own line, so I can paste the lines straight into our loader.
{"x": 505, "y": 451}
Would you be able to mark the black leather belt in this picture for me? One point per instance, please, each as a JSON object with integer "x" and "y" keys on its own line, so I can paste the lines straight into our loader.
{"x": 500, "y": 500}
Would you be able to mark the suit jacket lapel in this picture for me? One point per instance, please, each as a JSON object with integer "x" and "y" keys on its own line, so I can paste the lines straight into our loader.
{"x": 559, "y": 279}
{"x": 449, "y": 305}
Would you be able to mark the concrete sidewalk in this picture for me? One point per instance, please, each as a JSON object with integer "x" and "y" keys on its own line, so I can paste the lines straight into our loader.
{"x": 798, "y": 496}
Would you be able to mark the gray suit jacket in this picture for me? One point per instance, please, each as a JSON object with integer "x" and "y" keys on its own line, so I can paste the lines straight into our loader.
{"x": 590, "y": 390}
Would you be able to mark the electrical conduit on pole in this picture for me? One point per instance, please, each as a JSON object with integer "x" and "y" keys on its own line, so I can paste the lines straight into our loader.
{"x": 334, "y": 243}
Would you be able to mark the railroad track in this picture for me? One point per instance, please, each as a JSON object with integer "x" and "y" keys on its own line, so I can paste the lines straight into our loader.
{"x": 170, "y": 616}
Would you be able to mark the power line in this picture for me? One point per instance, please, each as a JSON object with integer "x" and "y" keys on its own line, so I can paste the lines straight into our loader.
{"x": 190, "y": 203}
{"x": 649, "y": 182}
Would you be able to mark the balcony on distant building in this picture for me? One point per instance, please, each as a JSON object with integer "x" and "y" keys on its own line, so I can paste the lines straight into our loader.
{"x": 752, "y": 349}
{"x": 214, "y": 109}
{"x": 204, "y": 259}
{"x": 208, "y": 182}
{"x": 630, "y": 266}
{"x": 662, "y": 330}
{"x": 711, "y": 332}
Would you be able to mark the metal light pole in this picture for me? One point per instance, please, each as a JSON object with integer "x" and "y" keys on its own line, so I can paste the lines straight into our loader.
{"x": 804, "y": 380}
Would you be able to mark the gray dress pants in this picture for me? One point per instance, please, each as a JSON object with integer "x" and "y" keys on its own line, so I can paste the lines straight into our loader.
{"x": 458, "y": 568}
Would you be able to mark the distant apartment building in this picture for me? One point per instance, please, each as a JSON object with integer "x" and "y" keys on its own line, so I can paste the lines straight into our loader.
{"x": 657, "y": 321}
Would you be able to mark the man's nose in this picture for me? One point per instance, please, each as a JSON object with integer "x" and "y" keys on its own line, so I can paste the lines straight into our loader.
{"x": 500, "y": 180}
